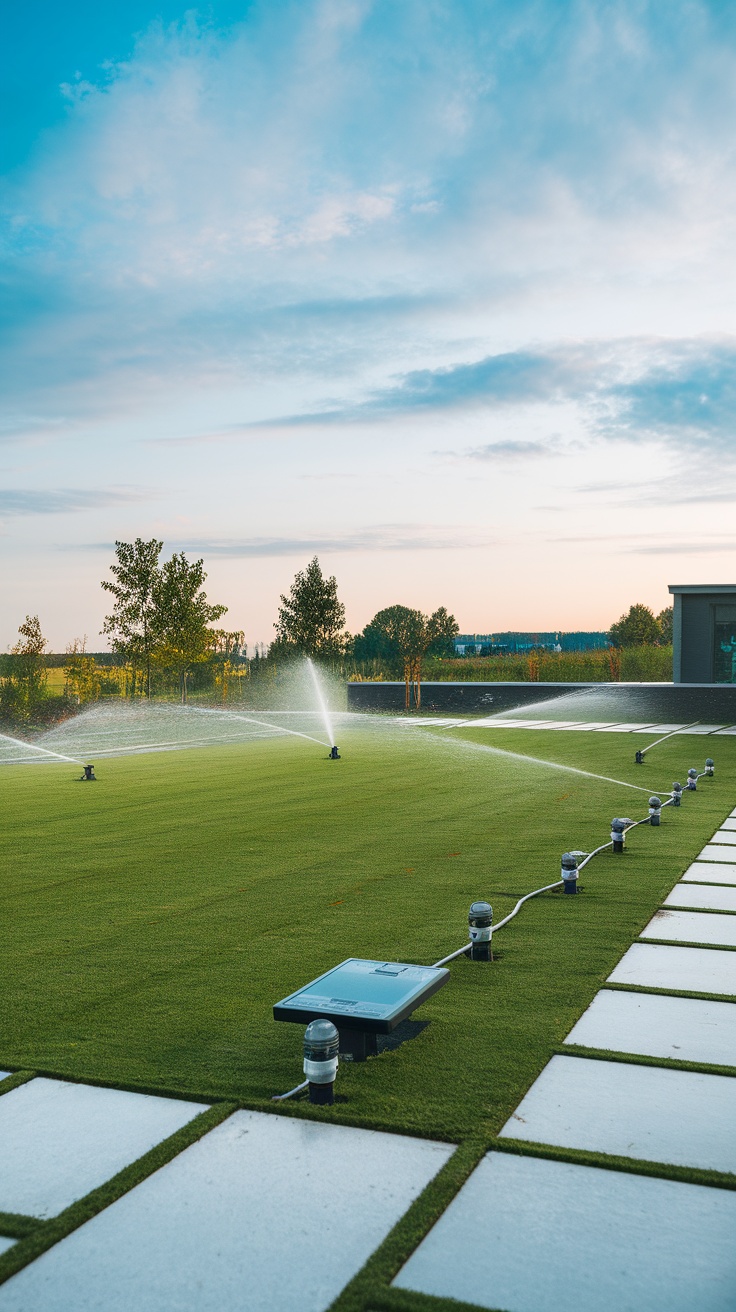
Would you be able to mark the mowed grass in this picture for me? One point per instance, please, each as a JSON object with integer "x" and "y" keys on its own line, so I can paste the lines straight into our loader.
{"x": 150, "y": 921}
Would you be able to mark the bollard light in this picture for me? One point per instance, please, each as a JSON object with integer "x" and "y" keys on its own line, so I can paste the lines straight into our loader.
{"x": 321, "y": 1048}
{"x": 655, "y": 810}
{"x": 710, "y": 767}
{"x": 334, "y": 754}
{"x": 639, "y": 758}
{"x": 618, "y": 834}
{"x": 677, "y": 794}
{"x": 480, "y": 922}
{"x": 569, "y": 872}
{"x": 692, "y": 781}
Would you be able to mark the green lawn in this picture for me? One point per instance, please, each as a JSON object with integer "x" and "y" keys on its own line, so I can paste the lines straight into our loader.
{"x": 150, "y": 921}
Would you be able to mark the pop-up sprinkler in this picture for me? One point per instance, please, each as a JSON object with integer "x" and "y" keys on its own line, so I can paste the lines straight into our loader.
{"x": 639, "y": 758}
{"x": 618, "y": 833}
{"x": 480, "y": 922}
{"x": 710, "y": 767}
{"x": 569, "y": 872}
{"x": 321, "y": 1048}
{"x": 89, "y": 775}
{"x": 655, "y": 810}
{"x": 692, "y": 781}
{"x": 676, "y": 794}
{"x": 334, "y": 754}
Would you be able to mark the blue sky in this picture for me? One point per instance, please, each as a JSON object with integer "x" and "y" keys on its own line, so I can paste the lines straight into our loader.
{"x": 442, "y": 292}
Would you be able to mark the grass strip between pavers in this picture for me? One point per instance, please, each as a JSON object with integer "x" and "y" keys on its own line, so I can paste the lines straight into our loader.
{"x": 14, "y": 1080}
{"x": 47, "y": 1233}
{"x": 670, "y": 993}
{"x": 15, "y": 1226}
{"x": 643, "y": 1059}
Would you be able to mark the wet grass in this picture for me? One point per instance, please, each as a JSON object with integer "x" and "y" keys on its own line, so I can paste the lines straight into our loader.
{"x": 151, "y": 920}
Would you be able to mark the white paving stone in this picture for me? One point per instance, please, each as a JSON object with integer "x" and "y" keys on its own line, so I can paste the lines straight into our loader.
{"x": 718, "y": 852}
{"x": 727, "y": 836}
{"x": 264, "y": 1214}
{"x": 629, "y": 728}
{"x": 530, "y": 1235}
{"x": 729, "y": 823}
{"x": 59, "y": 1140}
{"x": 708, "y": 897}
{"x": 653, "y": 1025}
{"x": 691, "y": 970}
{"x": 692, "y": 927}
{"x": 661, "y": 728}
{"x": 706, "y": 872}
{"x": 679, "y": 1117}
{"x": 704, "y": 728}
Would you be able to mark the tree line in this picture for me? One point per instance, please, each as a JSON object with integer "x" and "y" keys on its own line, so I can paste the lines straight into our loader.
{"x": 162, "y": 626}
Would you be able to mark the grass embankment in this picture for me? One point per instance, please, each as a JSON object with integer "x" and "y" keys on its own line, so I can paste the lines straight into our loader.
{"x": 151, "y": 920}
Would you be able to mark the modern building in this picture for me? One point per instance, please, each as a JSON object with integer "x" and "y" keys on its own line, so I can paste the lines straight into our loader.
{"x": 704, "y": 632}
{"x": 494, "y": 644}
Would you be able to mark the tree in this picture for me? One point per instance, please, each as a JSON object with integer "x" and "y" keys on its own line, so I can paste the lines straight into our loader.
{"x": 664, "y": 620}
{"x": 636, "y": 629}
{"x": 311, "y": 619}
{"x": 404, "y": 636}
{"x": 81, "y": 673}
{"x": 180, "y": 618}
{"x": 25, "y": 685}
{"x": 132, "y": 621}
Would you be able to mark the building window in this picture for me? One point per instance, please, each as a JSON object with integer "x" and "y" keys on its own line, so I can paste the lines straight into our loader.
{"x": 724, "y": 647}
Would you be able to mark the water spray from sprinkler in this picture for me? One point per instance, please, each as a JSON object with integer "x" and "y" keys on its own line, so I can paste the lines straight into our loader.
{"x": 334, "y": 754}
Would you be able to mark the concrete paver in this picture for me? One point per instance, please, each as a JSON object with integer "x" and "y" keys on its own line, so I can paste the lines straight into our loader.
{"x": 692, "y": 927}
{"x": 677, "y": 1117}
{"x": 653, "y": 1025}
{"x": 718, "y": 852}
{"x": 665, "y": 966}
{"x": 707, "y": 897}
{"x": 60, "y": 1140}
{"x": 265, "y": 1213}
{"x": 711, "y": 872}
{"x": 526, "y": 1234}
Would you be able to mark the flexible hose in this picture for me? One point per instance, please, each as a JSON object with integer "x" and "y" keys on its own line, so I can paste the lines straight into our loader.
{"x": 279, "y": 1097}
{"x": 673, "y": 734}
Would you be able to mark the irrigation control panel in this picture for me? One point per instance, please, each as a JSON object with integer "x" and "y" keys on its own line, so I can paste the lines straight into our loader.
{"x": 363, "y": 995}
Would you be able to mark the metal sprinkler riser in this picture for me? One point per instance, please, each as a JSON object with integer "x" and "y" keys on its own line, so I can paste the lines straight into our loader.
{"x": 480, "y": 930}
{"x": 321, "y": 1050}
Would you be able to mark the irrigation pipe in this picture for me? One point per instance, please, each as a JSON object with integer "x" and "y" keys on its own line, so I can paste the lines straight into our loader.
{"x": 279, "y": 1097}
{"x": 673, "y": 734}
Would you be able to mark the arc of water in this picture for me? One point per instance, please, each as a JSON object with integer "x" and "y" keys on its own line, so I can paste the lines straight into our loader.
{"x": 322, "y": 702}
{"x": 275, "y": 728}
{"x": 57, "y": 756}
{"x": 537, "y": 760}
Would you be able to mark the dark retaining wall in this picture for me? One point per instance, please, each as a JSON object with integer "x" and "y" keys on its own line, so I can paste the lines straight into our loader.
{"x": 648, "y": 702}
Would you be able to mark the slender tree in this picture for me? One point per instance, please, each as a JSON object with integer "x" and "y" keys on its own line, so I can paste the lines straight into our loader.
{"x": 132, "y": 622}
{"x": 311, "y": 618}
{"x": 25, "y": 685}
{"x": 664, "y": 620}
{"x": 181, "y": 618}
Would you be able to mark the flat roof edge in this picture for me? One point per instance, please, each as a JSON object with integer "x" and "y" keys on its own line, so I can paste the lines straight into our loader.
{"x": 702, "y": 588}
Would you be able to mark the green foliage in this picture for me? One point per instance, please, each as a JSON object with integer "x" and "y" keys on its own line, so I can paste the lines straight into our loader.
{"x": 131, "y": 624}
{"x": 664, "y": 620}
{"x": 181, "y": 618}
{"x": 24, "y": 687}
{"x": 82, "y": 676}
{"x": 636, "y": 628}
{"x": 311, "y": 618}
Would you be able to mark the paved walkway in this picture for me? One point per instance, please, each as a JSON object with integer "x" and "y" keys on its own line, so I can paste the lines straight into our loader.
{"x": 269, "y": 1212}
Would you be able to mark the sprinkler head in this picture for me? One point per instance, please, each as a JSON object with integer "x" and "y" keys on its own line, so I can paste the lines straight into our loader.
{"x": 321, "y": 1048}
{"x": 89, "y": 774}
{"x": 710, "y": 767}
{"x": 618, "y": 833}
{"x": 334, "y": 754}
{"x": 655, "y": 810}
{"x": 480, "y": 921}
{"x": 692, "y": 781}
{"x": 639, "y": 758}
{"x": 676, "y": 794}
{"x": 569, "y": 872}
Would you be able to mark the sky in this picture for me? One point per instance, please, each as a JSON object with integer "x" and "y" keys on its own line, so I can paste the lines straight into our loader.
{"x": 441, "y": 292}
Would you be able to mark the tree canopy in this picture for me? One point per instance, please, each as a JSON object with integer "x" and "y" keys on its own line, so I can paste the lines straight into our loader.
{"x": 403, "y": 637}
{"x": 311, "y": 618}
{"x": 637, "y": 628}
{"x": 182, "y": 616}
{"x": 131, "y": 624}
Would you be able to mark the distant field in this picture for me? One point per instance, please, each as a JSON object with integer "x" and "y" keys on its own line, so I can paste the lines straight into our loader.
{"x": 151, "y": 920}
